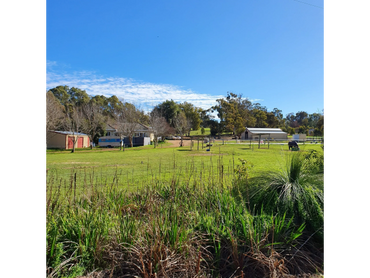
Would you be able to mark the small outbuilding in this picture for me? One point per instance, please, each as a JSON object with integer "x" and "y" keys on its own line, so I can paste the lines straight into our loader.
{"x": 64, "y": 140}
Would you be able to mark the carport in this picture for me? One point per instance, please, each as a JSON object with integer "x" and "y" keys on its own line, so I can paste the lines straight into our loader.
{"x": 259, "y": 138}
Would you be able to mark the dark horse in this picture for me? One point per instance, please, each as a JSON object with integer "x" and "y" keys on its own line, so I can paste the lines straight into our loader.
{"x": 292, "y": 144}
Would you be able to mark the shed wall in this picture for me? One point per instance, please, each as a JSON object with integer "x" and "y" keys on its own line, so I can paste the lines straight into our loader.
{"x": 55, "y": 140}
{"x": 60, "y": 141}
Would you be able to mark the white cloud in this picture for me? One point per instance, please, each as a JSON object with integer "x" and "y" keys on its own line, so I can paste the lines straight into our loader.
{"x": 143, "y": 94}
{"x": 255, "y": 99}
{"x": 51, "y": 63}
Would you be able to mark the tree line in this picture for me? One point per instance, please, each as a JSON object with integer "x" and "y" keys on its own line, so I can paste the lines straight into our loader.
{"x": 73, "y": 110}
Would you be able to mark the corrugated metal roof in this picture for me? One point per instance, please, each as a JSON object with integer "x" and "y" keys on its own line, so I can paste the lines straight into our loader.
{"x": 266, "y": 130}
{"x": 70, "y": 133}
{"x": 138, "y": 127}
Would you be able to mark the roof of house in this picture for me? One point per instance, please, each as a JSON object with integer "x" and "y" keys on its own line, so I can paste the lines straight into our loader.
{"x": 138, "y": 127}
{"x": 265, "y": 130}
{"x": 110, "y": 127}
{"x": 69, "y": 133}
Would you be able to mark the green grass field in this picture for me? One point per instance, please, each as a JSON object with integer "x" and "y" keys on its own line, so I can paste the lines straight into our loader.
{"x": 182, "y": 212}
{"x": 207, "y": 132}
{"x": 137, "y": 166}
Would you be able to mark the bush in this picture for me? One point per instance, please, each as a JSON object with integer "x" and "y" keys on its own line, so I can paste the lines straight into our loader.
{"x": 296, "y": 190}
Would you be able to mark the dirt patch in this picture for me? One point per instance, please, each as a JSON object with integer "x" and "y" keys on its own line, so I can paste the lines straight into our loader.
{"x": 176, "y": 143}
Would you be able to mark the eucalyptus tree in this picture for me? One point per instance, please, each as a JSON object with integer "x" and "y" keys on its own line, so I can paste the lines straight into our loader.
{"x": 272, "y": 120}
{"x": 313, "y": 119}
{"x": 234, "y": 113}
{"x": 70, "y": 96}
{"x": 320, "y": 125}
{"x": 169, "y": 109}
{"x": 192, "y": 114}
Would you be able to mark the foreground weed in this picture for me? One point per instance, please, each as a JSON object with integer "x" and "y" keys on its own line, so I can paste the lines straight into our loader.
{"x": 294, "y": 191}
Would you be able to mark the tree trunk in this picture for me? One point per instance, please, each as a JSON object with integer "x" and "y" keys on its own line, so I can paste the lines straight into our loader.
{"x": 74, "y": 143}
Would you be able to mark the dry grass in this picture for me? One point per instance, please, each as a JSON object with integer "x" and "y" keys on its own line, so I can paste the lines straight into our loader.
{"x": 152, "y": 258}
{"x": 242, "y": 261}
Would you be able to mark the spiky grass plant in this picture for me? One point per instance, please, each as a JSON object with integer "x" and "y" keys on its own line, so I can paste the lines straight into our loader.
{"x": 295, "y": 190}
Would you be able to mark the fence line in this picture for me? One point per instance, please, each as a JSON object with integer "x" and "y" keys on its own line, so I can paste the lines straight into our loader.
{"x": 255, "y": 141}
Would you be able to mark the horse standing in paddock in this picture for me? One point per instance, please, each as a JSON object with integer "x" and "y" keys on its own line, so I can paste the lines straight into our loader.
{"x": 292, "y": 144}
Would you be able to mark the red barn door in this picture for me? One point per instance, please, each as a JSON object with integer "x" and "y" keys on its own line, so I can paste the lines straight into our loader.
{"x": 70, "y": 142}
{"x": 80, "y": 142}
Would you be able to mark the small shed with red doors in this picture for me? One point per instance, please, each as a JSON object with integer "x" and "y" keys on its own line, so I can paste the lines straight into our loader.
{"x": 64, "y": 140}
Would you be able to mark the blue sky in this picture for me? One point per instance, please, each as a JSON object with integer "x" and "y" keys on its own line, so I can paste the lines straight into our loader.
{"x": 270, "y": 51}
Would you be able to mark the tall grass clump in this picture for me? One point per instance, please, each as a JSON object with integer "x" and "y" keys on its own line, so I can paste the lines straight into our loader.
{"x": 297, "y": 190}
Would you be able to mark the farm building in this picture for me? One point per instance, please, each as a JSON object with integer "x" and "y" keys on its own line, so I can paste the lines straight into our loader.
{"x": 64, "y": 140}
{"x": 263, "y": 133}
{"x": 143, "y": 136}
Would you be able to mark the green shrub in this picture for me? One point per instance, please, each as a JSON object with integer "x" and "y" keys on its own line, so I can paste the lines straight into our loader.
{"x": 295, "y": 190}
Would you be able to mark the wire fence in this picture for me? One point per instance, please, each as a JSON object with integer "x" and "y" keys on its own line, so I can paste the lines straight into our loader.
{"x": 223, "y": 141}
{"x": 212, "y": 165}
{"x": 207, "y": 170}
